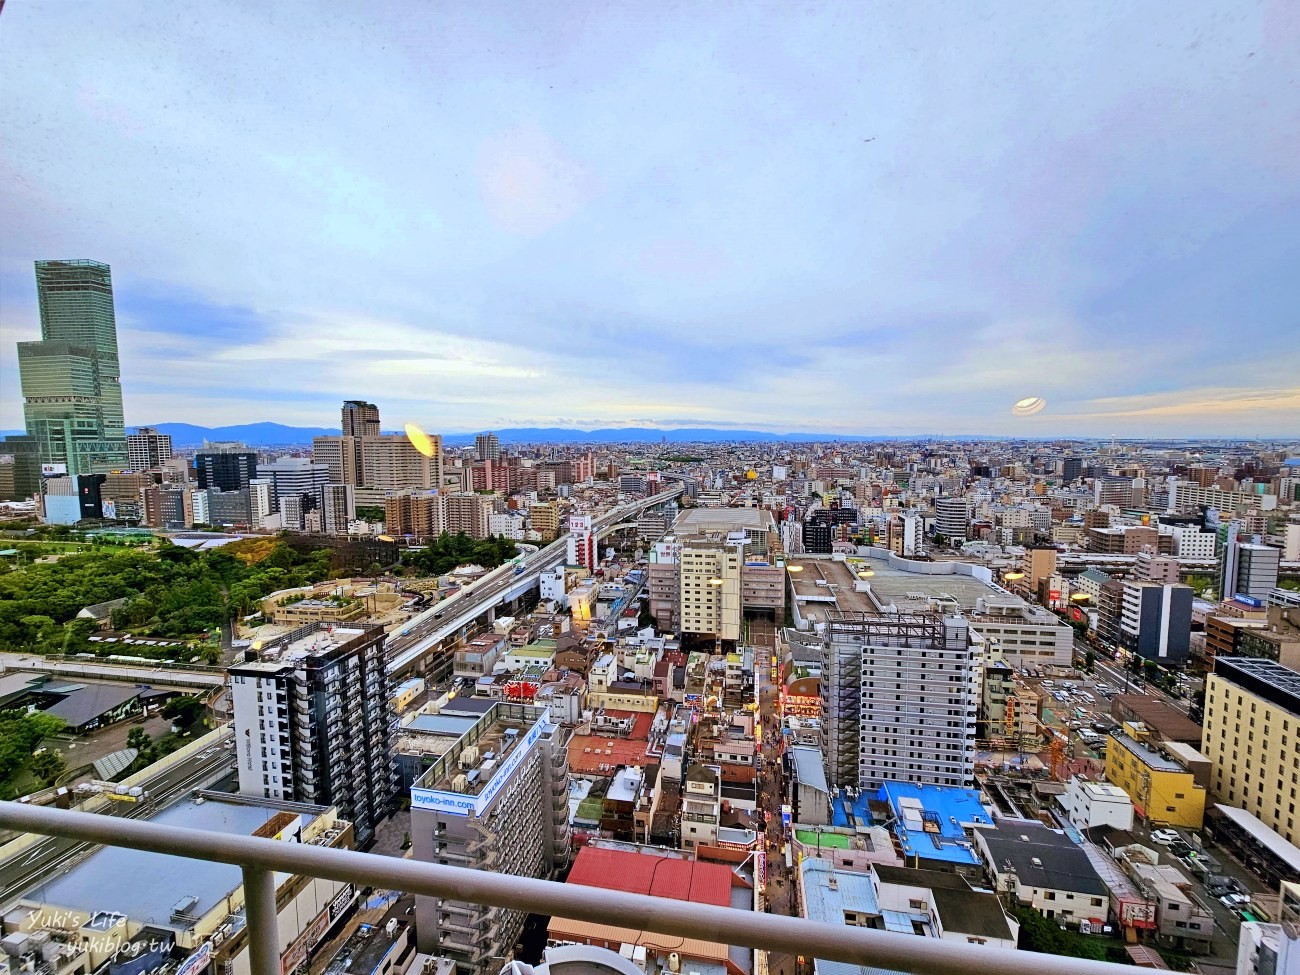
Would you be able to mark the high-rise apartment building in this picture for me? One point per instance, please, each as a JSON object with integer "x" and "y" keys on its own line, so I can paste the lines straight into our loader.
{"x": 1071, "y": 469}
{"x": 313, "y": 722}
{"x": 709, "y": 593}
{"x": 1252, "y": 717}
{"x": 342, "y": 455}
{"x": 391, "y": 463}
{"x": 496, "y": 800}
{"x": 900, "y": 698}
{"x": 339, "y": 507}
{"x": 360, "y": 419}
{"x": 261, "y": 501}
{"x": 467, "y": 512}
{"x": 487, "y": 446}
{"x": 951, "y": 519}
{"x": 71, "y": 378}
{"x": 1038, "y": 563}
{"x": 226, "y": 467}
{"x": 419, "y": 515}
{"x": 544, "y": 517}
{"x": 147, "y": 449}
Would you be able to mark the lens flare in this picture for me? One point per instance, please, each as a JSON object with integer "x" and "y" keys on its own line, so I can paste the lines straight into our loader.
{"x": 1029, "y": 406}
{"x": 420, "y": 440}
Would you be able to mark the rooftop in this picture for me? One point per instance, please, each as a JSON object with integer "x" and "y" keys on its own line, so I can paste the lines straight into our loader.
{"x": 147, "y": 887}
{"x": 310, "y": 640}
{"x": 86, "y": 702}
{"x": 1042, "y": 857}
{"x": 481, "y": 751}
{"x": 1147, "y": 756}
{"x": 933, "y": 819}
{"x": 722, "y": 519}
{"x": 1264, "y": 678}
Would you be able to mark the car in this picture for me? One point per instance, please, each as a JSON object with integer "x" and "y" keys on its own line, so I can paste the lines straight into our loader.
{"x": 1235, "y": 900}
{"x": 1164, "y": 836}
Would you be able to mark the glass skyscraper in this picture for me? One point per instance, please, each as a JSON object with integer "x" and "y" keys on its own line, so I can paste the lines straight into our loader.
{"x": 71, "y": 379}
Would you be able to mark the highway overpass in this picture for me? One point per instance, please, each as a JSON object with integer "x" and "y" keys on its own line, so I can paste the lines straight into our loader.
{"x": 449, "y": 618}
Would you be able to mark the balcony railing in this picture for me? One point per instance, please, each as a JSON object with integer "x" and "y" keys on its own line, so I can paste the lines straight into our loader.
{"x": 260, "y": 859}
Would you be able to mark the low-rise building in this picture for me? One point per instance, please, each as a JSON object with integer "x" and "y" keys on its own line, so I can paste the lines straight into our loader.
{"x": 925, "y": 903}
{"x": 1089, "y": 804}
{"x": 1044, "y": 870}
{"x": 1163, "y": 790}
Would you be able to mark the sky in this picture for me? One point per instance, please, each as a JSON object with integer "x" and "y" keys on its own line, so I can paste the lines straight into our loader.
{"x": 871, "y": 218}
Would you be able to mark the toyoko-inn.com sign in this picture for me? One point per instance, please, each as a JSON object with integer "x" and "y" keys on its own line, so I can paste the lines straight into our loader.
{"x": 460, "y": 804}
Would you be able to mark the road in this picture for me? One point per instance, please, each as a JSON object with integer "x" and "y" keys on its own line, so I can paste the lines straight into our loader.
{"x": 780, "y": 887}
{"x": 448, "y": 616}
{"x": 56, "y": 854}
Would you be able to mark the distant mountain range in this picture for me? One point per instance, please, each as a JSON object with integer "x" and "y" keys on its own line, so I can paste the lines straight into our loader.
{"x": 280, "y": 435}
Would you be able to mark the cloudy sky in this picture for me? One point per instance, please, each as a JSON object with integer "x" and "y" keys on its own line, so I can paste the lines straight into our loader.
{"x": 859, "y": 217}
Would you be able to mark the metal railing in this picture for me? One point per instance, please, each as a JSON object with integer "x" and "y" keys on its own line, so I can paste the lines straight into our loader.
{"x": 260, "y": 859}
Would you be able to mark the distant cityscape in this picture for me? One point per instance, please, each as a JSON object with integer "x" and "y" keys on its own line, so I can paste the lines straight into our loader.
{"x": 1021, "y": 694}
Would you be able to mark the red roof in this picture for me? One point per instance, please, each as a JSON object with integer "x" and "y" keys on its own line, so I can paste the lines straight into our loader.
{"x": 644, "y": 873}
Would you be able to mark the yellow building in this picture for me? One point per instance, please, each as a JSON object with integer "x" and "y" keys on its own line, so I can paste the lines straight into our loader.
{"x": 1163, "y": 791}
{"x": 544, "y": 517}
{"x": 1252, "y": 739}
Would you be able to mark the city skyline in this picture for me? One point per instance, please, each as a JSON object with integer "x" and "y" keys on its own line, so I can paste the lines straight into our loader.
{"x": 833, "y": 222}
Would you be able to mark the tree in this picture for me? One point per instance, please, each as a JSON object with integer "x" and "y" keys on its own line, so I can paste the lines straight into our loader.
{"x": 184, "y": 711}
{"x": 1089, "y": 660}
{"x": 48, "y": 766}
{"x": 138, "y": 739}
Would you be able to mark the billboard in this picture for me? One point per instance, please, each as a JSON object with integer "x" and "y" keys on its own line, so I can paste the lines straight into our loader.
{"x": 1248, "y": 600}
{"x": 53, "y": 470}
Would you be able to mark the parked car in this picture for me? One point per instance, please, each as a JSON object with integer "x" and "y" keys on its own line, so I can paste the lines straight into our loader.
{"x": 1164, "y": 836}
{"x": 1235, "y": 900}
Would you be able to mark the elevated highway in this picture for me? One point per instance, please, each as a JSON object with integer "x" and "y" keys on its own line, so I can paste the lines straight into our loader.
{"x": 450, "y": 618}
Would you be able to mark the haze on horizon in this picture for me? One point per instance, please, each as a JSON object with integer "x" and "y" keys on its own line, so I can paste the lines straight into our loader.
{"x": 851, "y": 218}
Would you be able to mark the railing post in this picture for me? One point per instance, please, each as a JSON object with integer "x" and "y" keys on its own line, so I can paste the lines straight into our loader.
{"x": 263, "y": 922}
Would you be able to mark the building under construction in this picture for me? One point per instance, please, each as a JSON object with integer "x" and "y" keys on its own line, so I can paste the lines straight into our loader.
{"x": 900, "y": 697}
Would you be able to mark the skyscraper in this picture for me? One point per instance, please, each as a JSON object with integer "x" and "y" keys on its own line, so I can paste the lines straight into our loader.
{"x": 360, "y": 419}
{"x": 71, "y": 378}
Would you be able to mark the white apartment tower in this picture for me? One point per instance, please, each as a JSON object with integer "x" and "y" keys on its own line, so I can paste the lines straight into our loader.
{"x": 313, "y": 722}
{"x": 900, "y": 694}
{"x": 951, "y": 519}
{"x": 581, "y": 546}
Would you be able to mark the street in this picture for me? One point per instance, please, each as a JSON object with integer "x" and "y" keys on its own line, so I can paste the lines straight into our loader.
{"x": 55, "y": 855}
{"x": 780, "y": 888}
